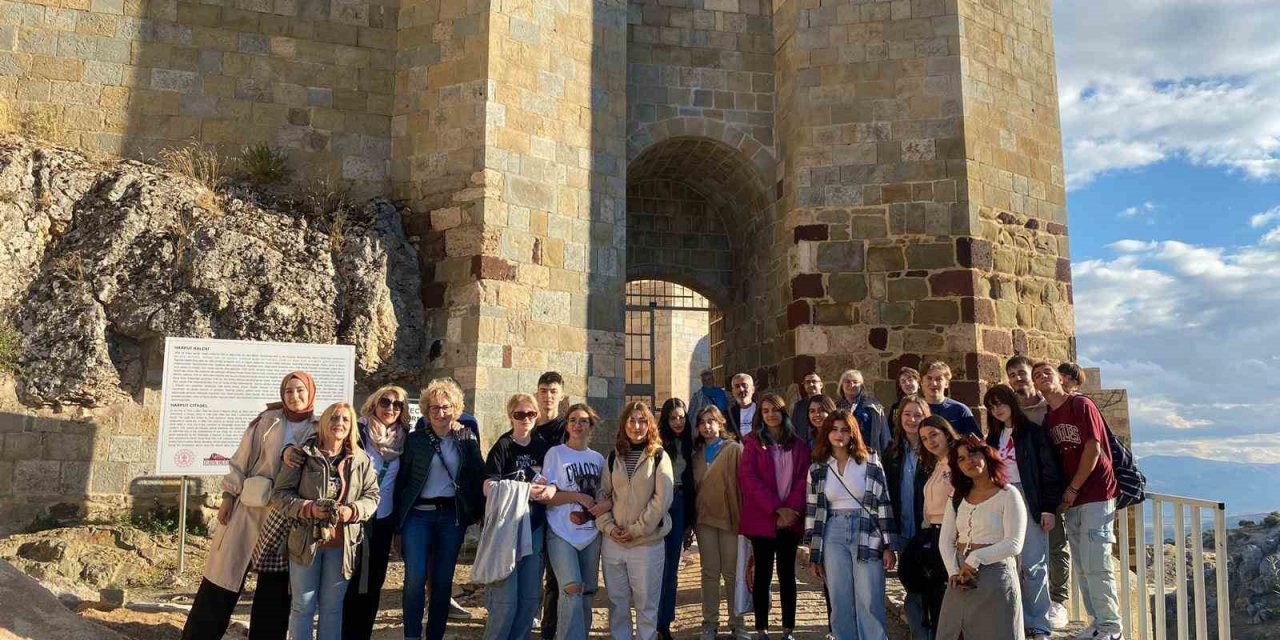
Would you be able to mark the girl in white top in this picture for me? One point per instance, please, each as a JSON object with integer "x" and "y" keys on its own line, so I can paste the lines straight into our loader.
{"x": 573, "y": 545}
{"x": 982, "y": 534}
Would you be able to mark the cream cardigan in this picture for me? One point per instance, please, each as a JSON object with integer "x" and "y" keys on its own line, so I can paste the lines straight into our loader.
{"x": 640, "y": 502}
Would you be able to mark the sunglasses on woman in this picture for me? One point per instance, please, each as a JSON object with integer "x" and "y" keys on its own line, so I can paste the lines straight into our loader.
{"x": 388, "y": 403}
{"x": 524, "y": 415}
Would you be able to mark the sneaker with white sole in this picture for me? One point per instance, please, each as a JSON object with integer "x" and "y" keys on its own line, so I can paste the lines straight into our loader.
{"x": 457, "y": 612}
{"x": 1058, "y": 617}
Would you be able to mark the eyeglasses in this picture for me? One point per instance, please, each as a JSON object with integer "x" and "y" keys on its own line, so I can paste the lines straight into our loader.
{"x": 524, "y": 415}
{"x": 841, "y": 430}
{"x": 440, "y": 408}
{"x": 388, "y": 403}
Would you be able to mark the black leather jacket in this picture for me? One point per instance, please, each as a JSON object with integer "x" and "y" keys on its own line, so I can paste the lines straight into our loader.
{"x": 1038, "y": 467}
{"x": 415, "y": 463}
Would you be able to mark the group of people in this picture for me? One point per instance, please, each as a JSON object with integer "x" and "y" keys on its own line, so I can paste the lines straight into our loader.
{"x": 966, "y": 513}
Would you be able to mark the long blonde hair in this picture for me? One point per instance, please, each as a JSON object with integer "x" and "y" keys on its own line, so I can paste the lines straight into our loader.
{"x": 370, "y": 405}
{"x": 352, "y": 442}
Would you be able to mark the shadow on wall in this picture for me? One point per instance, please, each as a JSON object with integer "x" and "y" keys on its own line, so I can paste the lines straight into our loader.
{"x": 57, "y": 471}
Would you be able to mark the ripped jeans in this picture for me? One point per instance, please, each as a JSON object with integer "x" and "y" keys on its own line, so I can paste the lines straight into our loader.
{"x": 573, "y": 566}
{"x": 1091, "y": 534}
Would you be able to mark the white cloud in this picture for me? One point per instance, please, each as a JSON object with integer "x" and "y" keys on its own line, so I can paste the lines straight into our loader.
{"x": 1265, "y": 218}
{"x": 1145, "y": 210}
{"x": 1198, "y": 80}
{"x": 1189, "y": 330}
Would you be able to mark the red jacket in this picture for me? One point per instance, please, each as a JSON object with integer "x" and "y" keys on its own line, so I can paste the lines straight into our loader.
{"x": 758, "y": 479}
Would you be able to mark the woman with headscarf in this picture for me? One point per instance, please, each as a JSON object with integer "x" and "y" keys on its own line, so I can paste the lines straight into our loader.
{"x": 246, "y": 493}
{"x": 383, "y": 425}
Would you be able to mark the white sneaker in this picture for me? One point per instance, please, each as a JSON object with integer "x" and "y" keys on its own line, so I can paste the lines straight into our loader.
{"x": 1058, "y": 617}
{"x": 457, "y": 612}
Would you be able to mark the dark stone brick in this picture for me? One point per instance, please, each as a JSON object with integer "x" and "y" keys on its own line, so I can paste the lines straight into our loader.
{"x": 506, "y": 356}
{"x": 1055, "y": 228}
{"x": 797, "y": 314}
{"x": 1064, "y": 270}
{"x": 433, "y": 294}
{"x": 492, "y": 268}
{"x": 905, "y": 360}
{"x": 300, "y": 117}
{"x": 918, "y": 273}
{"x": 814, "y": 232}
{"x": 957, "y": 282}
{"x": 966, "y": 391}
{"x": 1032, "y": 224}
{"x": 802, "y": 366}
{"x": 974, "y": 253}
{"x": 879, "y": 338}
{"x": 807, "y": 285}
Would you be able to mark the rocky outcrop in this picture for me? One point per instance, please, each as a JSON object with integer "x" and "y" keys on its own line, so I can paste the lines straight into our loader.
{"x": 102, "y": 260}
{"x": 32, "y": 612}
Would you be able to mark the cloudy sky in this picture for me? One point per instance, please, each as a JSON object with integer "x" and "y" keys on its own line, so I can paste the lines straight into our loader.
{"x": 1171, "y": 120}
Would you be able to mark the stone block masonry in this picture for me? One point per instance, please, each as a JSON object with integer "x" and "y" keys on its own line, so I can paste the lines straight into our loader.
{"x": 131, "y": 77}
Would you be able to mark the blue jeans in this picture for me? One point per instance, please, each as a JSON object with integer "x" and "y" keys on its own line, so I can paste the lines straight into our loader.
{"x": 318, "y": 585}
{"x": 429, "y": 540}
{"x": 1034, "y": 565}
{"x": 672, "y": 546}
{"x": 513, "y": 602}
{"x": 1091, "y": 533}
{"x": 574, "y": 567}
{"x": 914, "y": 605}
{"x": 856, "y": 586}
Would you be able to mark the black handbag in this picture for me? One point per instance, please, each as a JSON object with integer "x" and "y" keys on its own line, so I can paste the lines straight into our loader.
{"x": 920, "y": 568}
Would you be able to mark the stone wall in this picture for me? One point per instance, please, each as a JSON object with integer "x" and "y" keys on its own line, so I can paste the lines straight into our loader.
{"x": 130, "y": 77}
{"x": 1013, "y": 149}
{"x": 910, "y": 167}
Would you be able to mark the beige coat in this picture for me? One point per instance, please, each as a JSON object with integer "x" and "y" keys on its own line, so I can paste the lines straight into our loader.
{"x": 640, "y": 502}
{"x": 258, "y": 455}
{"x": 295, "y": 488}
{"x": 719, "y": 498}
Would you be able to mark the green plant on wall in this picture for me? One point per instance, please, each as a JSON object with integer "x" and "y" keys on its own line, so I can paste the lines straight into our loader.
{"x": 264, "y": 166}
{"x": 10, "y": 347}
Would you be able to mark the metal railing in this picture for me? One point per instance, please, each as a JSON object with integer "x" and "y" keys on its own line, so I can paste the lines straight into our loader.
{"x": 1148, "y": 619}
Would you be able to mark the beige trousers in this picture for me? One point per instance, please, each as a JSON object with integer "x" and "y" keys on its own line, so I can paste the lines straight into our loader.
{"x": 718, "y": 549}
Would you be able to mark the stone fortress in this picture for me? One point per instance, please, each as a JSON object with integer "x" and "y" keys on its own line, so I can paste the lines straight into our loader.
{"x": 851, "y": 183}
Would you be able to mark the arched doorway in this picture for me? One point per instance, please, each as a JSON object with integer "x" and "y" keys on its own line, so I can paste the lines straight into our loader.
{"x": 673, "y": 334}
{"x": 700, "y": 222}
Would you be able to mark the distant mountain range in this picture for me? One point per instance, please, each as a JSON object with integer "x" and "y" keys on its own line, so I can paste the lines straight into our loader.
{"x": 1247, "y": 488}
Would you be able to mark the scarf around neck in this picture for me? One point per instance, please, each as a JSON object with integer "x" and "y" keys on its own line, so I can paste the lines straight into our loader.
{"x": 387, "y": 440}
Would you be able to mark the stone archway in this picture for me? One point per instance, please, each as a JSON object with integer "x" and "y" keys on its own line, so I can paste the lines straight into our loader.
{"x": 700, "y": 214}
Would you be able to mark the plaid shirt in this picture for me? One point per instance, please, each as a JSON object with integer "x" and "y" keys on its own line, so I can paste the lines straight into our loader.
{"x": 269, "y": 554}
{"x": 872, "y": 535}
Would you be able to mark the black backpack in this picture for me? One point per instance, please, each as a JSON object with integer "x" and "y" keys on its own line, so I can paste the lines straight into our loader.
{"x": 1131, "y": 485}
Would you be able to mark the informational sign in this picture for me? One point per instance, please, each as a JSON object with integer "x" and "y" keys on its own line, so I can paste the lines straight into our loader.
{"x": 213, "y": 389}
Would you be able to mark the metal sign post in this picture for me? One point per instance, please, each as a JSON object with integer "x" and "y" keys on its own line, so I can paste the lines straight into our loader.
{"x": 182, "y": 529}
